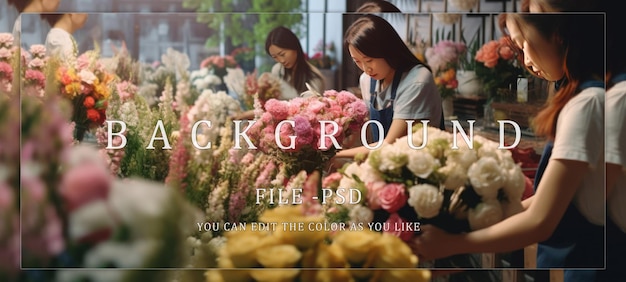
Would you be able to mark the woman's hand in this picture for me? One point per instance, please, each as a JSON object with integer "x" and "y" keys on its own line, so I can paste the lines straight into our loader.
{"x": 434, "y": 243}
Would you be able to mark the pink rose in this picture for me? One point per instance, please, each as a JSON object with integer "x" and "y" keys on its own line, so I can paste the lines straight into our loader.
{"x": 372, "y": 194}
{"x": 332, "y": 180}
{"x": 506, "y": 52}
{"x": 397, "y": 227}
{"x": 84, "y": 184}
{"x": 392, "y": 197}
{"x": 488, "y": 54}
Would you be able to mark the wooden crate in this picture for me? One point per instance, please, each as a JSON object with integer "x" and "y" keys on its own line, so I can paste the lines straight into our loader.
{"x": 469, "y": 107}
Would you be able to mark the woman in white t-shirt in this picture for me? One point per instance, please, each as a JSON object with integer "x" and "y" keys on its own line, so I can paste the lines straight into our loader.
{"x": 30, "y": 6}
{"x": 292, "y": 67}
{"x": 567, "y": 212}
{"x": 396, "y": 85}
{"x": 59, "y": 41}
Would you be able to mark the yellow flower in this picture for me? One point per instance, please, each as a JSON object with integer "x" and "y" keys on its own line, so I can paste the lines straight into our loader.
{"x": 406, "y": 275}
{"x": 334, "y": 275}
{"x": 242, "y": 249}
{"x": 303, "y": 236}
{"x": 391, "y": 252}
{"x": 324, "y": 256}
{"x": 279, "y": 256}
{"x": 214, "y": 276}
{"x": 287, "y": 213}
{"x": 449, "y": 75}
{"x": 274, "y": 275}
{"x": 356, "y": 246}
{"x": 229, "y": 275}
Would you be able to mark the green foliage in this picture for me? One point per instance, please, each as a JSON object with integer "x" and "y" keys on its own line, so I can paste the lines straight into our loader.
{"x": 245, "y": 22}
{"x": 467, "y": 61}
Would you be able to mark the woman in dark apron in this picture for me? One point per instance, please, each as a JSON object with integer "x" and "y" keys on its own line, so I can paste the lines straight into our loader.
{"x": 566, "y": 215}
{"x": 399, "y": 86}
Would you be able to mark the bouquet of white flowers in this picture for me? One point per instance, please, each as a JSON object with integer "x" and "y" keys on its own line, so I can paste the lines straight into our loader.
{"x": 453, "y": 185}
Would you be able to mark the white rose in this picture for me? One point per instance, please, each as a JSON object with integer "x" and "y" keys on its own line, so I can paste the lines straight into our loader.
{"x": 87, "y": 76}
{"x": 486, "y": 177}
{"x": 347, "y": 183}
{"x": 515, "y": 183}
{"x": 200, "y": 84}
{"x": 455, "y": 176}
{"x": 212, "y": 79}
{"x": 352, "y": 169}
{"x": 391, "y": 158}
{"x": 425, "y": 199}
{"x": 421, "y": 163}
{"x": 361, "y": 214}
{"x": 367, "y": 173}
{"x": 485, "y": 214}
{"x": 464, "y": 156}
{"x": 505, "y": 156}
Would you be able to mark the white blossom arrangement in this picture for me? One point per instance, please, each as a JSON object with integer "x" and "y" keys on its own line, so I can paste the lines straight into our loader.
{"x": 456, "y": 188}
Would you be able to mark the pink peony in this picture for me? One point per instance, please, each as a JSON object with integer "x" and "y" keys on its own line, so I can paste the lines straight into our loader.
{"x": 279, "y": 110}
{"x": 6, "y": 70}
{"x": 6, "y": 39}
{"x": 5, "y": 53}
{"x": 392, "y": 197}
{"x": 83, "y": 184}
{"x": 38, "y": 50}
{"x": 36, "y": 77}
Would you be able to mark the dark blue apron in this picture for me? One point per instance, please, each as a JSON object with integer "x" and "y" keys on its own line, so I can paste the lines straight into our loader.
{"x": 385, "y": 116}
{"x": 575, "y": 242}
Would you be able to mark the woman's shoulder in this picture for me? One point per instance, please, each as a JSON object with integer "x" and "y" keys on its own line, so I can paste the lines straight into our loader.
{"x": 587, "y": 96}
{"x": 418, "y": 74}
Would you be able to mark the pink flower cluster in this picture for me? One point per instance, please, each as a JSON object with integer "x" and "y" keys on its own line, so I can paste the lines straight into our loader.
{"x": 219, "y": 62}
{"x": 126, "y": 90}
{"x": 6, "y": 77}
{"x": 491, "y": 53}
{"x": 6, "y": 56}
{"x": 34, "y": 78}
{"x": 113, "y": 157}
{"x": 444, "y": 55}
{"x": 343, "y": 108}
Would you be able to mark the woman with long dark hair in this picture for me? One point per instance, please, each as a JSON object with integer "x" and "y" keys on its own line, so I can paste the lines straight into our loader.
{"x": 291, "y": 63}
{"x": 568, "y": 209}
{"x": 396, "y": 84}
{"x": 296, "y": 73}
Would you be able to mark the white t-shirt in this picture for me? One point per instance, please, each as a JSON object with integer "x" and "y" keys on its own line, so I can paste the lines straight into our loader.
{"x": 288, "y": 91}
{"x": 417, "y": 96}
{"x": 579, "y": 136}
{"x": 60, "y": 43}
{"x": 616, "y": 150}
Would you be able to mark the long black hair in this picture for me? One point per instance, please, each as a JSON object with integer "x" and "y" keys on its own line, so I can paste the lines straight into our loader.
{"x": 376, "y": 38}
{"x": 582, "y": 40}
{"x": 302, "y": 71}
